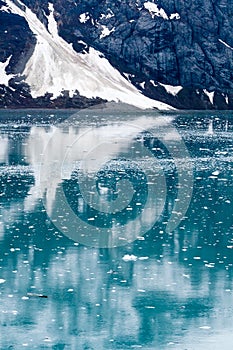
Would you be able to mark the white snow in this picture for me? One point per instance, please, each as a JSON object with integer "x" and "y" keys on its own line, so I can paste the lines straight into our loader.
{"x": 128, "y": 76}
{"x": 224, "y": 43}
{"x": 172, "y": 89}
{"x": 4, "y": 77}
{"x": 142, "y": 85}
{"x": 175, "y": 16}
{"x": 54, "y": 66}
{"x": 154, "y": 10}
{"x": 84, "y": 17}
{"x": 210, "y": 95}
{"x": 159, "y": 12}
{"x": 5, "y": 8}
{"x": 2, "y": 281}
{"x": 106, "y": 31}
{"x": 153, "y": 83}
{"x": 110, "y": 14}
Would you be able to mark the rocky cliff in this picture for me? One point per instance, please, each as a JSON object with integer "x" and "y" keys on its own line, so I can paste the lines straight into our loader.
{"x": 179, "y": 52}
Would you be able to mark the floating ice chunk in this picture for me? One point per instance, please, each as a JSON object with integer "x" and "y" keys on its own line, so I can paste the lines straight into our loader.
{"x": 216, "y": 172}
{"x": 2, "y": 281}
{"x": 205, "y": 327}
{"x": 129, "y": 257}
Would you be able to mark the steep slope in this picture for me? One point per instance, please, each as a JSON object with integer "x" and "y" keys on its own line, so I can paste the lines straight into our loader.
{"x": 55, "y": 66}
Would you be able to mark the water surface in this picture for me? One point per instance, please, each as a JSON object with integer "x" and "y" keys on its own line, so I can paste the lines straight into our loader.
{"x": 167, "y": 289}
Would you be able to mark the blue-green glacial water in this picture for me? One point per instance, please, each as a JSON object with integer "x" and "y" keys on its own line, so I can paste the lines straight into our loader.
{"x": 116, "y": 230}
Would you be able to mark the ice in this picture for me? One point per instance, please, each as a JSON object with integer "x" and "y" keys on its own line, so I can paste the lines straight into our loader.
{"x": 2, "y": 281}
{"x": 129, "y": 257}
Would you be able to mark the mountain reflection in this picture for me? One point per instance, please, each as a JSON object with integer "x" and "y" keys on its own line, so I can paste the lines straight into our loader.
{"x": 176, "y": 292}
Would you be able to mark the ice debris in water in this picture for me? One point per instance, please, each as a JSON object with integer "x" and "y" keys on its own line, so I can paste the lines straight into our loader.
{"x": 2, "y": 280}
{"x": 129, "y": 257}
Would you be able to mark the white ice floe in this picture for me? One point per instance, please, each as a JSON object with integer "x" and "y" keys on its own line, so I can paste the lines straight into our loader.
{"x": 129, "y": 257}
{"x": 2, "y": 281}
{"x": 55, "y": 66}
{"x": 205, "y": 327}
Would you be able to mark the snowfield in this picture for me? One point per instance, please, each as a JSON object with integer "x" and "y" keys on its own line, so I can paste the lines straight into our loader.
{"x": 55, "y": 66}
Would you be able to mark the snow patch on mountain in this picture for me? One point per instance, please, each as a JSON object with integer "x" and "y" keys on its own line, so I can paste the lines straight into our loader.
{"x": 106, "y": 31}
{"x": 173, "y": 90}
{"x": 4, "y": 77}
{"x": 54, "y": 67}
{"x": 159, "y": 12}
{"x": 210, "y": 95}
{"x": 224, "y": 43}
{"x": 110, "y": 14}
{"x": 174, "y": 16}
{"x": 84, "y": 17}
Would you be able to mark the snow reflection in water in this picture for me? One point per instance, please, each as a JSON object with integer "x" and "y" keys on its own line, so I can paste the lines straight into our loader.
{"x": 161, "y": 291}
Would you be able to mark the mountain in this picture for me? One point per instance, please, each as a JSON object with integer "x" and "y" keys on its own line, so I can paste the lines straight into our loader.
{"x": 78, "y": 53}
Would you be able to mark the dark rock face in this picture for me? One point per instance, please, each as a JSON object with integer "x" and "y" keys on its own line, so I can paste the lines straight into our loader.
{"x": 16, "y": 39}
{"x": 189, "y": 44}
{"x": 21, "y": 98}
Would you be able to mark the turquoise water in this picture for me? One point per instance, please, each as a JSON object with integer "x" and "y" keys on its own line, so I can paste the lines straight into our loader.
{"x": 158, "y": 286}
